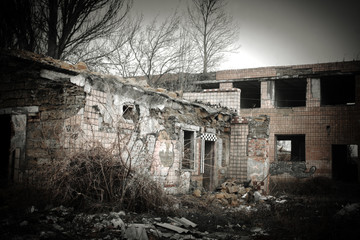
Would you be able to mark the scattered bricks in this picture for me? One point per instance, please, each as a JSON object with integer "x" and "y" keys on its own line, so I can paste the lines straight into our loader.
{"x": 224, "y": 201}
{"x": 235, "y": 120}
{"x": 220, "y": 196}
{"x": 81, "y": 66}
{"x": 235, "y": 202}
{"x": 211, "y": 198}
{"x": 172, "y": 94}
{"x": 197, "y": 193}
{"x": 233, "y": 189}
{"x": 227, "y": 195}
{"x": 161, "y": 90}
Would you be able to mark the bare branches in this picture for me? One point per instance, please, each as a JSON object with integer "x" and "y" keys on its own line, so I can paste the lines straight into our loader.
{"x": 212, "y": 30}
{"x": 155, "y": 47}
{"x": 82, "y": 21}
{"x": 60, "y": 28}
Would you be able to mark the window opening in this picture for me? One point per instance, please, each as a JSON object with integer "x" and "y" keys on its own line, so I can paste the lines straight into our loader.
{"x": 188, "y": 155}
{"x": 131, "y": 112}
{"x": 344, "y": 163}
{"x": 290, "y": 148}
{"x": 250, "y": 93}
{"x": 290, "y": 92}
{"x": 7, "y": 132}
{"x": 336, "y": 90}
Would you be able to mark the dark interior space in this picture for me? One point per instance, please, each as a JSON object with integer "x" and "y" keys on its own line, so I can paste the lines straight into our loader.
{"x": 210, "y": 85}
{"x": 208, "y": 166}
{"x": 188, "y": 160}
{"x": 5, "y": 121}
{"x": 250, "y": 93}
{"x": 297, "y": 151}
{"x": 337, "y": 90}
{"x": 344, "y": 167}
{"x": 290, "y": 92}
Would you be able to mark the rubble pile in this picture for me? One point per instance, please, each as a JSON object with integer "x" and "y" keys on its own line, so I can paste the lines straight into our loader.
{"x": 233, "y": 194}
{"x": 195, "y": 219}
{"x": 64, "y": 223}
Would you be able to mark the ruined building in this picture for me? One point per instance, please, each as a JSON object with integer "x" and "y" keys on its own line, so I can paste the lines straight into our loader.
{"x": 293, "y": 121}
{"x": 263, "y": 124}
{"x": 49, "y": 109}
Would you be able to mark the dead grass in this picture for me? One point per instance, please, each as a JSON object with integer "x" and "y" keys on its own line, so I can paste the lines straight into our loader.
{"x": 94, "y": 177}
{"x": 312, "y": 186}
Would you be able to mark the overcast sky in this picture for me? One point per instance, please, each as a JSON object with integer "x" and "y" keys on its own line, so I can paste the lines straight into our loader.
{"x": 284, "y": 32}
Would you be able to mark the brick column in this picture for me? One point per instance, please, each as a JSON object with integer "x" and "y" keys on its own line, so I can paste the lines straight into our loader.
{"x": 267, "y": 94}
{"x": 238, "y": 150}
{"x": 313, "y": 92}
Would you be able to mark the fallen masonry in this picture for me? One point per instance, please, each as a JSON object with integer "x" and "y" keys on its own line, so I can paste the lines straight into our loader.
{"x": 191, "y": 217}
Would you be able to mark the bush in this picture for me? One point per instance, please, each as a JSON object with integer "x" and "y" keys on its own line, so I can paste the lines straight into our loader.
{"x": 96, "y": 176}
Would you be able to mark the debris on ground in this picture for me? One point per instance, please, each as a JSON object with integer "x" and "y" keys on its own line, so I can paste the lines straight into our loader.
{"x": 208, "y": 215}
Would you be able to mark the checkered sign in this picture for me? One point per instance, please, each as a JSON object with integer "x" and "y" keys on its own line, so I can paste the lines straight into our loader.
{"x": 209, "y": 137}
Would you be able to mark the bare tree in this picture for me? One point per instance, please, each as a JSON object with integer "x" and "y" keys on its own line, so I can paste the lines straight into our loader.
{"x": 155, "y": 48}
{"x": 151, "y": 50}
{"x": 64, "y": 27}
{"x": 99, "y": 53}
{"x": 16, "y": 21}
{"x": 72, "y": 23}
{"x": 212, "y": 30}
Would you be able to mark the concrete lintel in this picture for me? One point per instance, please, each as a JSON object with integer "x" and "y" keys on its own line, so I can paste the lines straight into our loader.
{"x": 53, "y": 75}
{"x": 20, "y": 110}
{"x": 266, "y": 78}
{"x": 188, "y": 127}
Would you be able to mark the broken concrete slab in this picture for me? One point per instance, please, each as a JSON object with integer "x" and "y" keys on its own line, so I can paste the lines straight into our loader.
{"x": 136, "y": 232}
{"x": 187, "y": 222}
{"x": 172, "y": 227}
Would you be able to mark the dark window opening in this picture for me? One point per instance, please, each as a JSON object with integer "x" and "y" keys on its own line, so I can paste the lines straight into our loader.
{"x": 210, "y": 85}
{"x": 6, "y": 134}
{"x": 290, "y": 148}
{"x": 290, "y": 92}
{"x": 188, "y": 156}
{"x": 131, "y": 112}
{"x": 337, "y": 90}
{"x": 208, "y": 176}
{"x": 344, "y": 163}
{"x": 250, "y": 93}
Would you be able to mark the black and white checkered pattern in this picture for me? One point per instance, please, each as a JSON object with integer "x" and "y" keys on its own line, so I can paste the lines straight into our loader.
{"x": 209, "y": 137}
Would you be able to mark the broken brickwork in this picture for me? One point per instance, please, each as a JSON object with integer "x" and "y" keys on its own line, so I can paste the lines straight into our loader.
{"x": 229, "y": 97}
{"x": 314, "y": 107}
{"x": 63, "y": 110}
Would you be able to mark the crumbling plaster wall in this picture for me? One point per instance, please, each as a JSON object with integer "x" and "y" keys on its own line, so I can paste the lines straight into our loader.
{"x": 38, "y": 108}
{"x": 158, "y": 125}
{"x": 249, "y": 141}
{"x": 66, "y": 111}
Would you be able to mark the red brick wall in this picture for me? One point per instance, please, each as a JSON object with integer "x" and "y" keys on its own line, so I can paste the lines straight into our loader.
{"x": 313, "y": 121}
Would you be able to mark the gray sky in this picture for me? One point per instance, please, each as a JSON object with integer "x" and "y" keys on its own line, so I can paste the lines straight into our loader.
{"x": 284, "y": 32}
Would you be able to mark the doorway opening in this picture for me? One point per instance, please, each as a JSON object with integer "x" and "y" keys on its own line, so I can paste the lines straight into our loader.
{"x": 189, "y": 150}
{"x": 5, "y": 123}
{"x": 209, "y": 161}
{"x": 344, "y": 163}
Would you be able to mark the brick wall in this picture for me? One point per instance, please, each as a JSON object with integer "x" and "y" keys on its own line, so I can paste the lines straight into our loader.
{"x": 225, "y": 97}
{"x": 323, "y": 126}
{"x": 238, "y": 151}
{"x": 287, "y": 70}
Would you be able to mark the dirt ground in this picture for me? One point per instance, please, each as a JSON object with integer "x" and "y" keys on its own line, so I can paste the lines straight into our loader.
{"x": 319, "y": 209}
